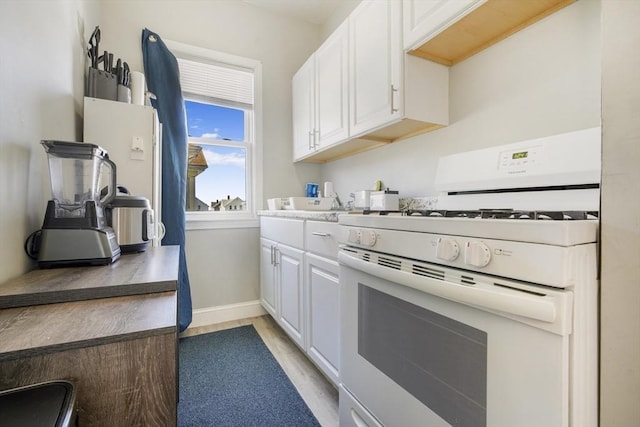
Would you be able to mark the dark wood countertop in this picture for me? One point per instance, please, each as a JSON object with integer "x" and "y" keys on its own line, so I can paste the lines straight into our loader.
{"x": 155, "y": 270}
{"x": 59, "y": 309}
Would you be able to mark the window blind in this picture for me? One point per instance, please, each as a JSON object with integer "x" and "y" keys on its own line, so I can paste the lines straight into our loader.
{"x": 215, "y": 81}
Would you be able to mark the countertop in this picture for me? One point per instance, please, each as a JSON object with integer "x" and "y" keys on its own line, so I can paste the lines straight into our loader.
{"x": 132, "y": 274}
{"x": 329, "y": 216}
{"x": 405, "y": 203}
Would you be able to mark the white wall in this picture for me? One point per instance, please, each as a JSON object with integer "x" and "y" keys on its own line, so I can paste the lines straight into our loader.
{"x": 339, "y": 15}
{"x": 620, "y": 216}
{"x": 224, "y": 264}
{"x": 540, "y": 81}
{"x": 42, "y": 75}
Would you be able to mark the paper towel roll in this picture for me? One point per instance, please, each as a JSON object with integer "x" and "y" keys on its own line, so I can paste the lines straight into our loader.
{"x": 328, "y": 189}
{"x": 137, "y": 88}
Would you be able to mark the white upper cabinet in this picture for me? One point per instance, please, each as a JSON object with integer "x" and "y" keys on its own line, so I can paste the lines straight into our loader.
{"x": 450, "y": 31}
{"x": 332, "y": 102}
{"x": 375, "y": 64}
{"x": 397, "y": 78}
{"x": 391, "y": 95}
{"x": 303, "y": 105}
{"x": 320, "y": 97}
{"x": 424, "y": 19}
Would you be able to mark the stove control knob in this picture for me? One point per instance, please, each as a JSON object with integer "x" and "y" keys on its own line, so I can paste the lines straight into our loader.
{"x": 368, "y": 238}
{"x": 447, "y": 249}
{"x": 354, "y": 236}
{"x": 477, "y": 254}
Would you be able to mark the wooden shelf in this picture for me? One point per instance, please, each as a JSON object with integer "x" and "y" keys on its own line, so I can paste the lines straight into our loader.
{"x": 488, "y": 24}
{"x": 51, "y": 328}
{"x": 341, "y": 150}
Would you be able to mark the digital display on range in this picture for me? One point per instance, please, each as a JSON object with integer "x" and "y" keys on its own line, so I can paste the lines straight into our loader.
{"x": 520, "y": 155}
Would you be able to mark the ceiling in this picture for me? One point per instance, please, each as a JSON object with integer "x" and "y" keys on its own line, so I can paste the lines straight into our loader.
{"x": 313, "y": 11}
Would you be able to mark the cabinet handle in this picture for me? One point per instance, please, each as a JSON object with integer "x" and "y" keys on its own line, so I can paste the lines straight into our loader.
{"x": 310, "y": 144}
{"x": 275, "y": 255}
{"x": 318, "y": 233}
{"x": 393, "y": 90}
{"x": 357, "y": 419}
{"x": 273, "y": 261}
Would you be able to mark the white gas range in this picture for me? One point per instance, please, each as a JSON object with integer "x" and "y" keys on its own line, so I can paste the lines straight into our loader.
{"x": 466, "y": 315}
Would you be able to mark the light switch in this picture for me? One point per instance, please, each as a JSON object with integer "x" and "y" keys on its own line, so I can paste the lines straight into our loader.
{"x": 137, "y": 148}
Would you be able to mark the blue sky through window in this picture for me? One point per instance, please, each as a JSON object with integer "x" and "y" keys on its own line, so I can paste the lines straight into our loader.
{"x": 213, "y": 121}
{"x": 225, "y": 175}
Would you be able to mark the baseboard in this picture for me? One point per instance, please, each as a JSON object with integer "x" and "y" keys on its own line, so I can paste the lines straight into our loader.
{"x": 226, "y": 313}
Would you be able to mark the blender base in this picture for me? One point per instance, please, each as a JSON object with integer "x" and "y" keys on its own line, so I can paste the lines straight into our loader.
{"x": 65, "y": 247}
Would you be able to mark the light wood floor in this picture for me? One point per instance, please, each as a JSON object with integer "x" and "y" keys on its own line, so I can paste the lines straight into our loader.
{"x": 319, "y": 394}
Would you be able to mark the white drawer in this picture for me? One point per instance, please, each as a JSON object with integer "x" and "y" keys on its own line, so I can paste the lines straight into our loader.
{"x": 283, "y": 230}
{"x": 352, "y": 413}
{"x": 321, "y": 238}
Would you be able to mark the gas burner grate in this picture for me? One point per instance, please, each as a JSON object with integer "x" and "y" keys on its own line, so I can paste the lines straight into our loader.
{"x": 505, "y": 214}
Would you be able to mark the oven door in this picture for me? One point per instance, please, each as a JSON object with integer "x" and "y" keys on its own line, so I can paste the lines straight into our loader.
{"x": 424, "y": 349}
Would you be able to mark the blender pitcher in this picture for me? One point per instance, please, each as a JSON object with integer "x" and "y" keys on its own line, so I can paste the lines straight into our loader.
{"x": 75, "y": 170}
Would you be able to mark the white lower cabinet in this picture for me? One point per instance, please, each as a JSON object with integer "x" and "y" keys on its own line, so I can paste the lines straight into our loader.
{"x": 268, "y": 275}
{"x": 282, "y": 273}
{"x": 289, "y": 275}
{"x": 299, "y": 286}
{"x": 281, "y": 292}
{"x": 323, "y": 314}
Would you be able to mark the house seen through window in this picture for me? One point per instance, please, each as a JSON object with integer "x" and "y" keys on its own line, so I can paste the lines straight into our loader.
{"x": 219, "y": 114}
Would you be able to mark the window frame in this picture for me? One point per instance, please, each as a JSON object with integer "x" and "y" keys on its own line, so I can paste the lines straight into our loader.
{"x": 238, "y": 219}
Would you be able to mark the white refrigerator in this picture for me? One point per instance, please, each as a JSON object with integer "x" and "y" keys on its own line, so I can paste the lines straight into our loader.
{"x": 131, "y": 134}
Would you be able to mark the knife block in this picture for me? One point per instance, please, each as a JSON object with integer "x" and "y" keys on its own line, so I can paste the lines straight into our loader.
{"x": 102, "y": 84}
{"x": 124, "y": 94}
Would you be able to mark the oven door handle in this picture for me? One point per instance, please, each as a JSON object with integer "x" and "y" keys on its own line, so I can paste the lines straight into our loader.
{"x": 546, "y": 308}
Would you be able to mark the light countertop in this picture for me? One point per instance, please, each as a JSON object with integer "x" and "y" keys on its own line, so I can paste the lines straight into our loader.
{"x": 330, "y": 216}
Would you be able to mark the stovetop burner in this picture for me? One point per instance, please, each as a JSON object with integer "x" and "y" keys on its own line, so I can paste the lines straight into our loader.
{"x": 505, "y": 214}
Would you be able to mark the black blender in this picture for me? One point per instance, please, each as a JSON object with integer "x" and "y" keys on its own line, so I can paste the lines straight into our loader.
{"x": 75, "y": 230}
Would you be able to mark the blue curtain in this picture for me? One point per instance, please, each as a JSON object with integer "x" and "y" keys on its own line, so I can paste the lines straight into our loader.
{"x": 163, "y": 80}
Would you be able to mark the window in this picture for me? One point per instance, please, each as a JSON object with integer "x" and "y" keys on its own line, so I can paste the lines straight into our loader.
{"x": 217, "y": 159}
{"x": 222, "y": 94}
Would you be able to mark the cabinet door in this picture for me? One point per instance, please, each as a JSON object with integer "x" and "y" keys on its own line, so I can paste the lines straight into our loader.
{"x": 332, "y": 100}
{"x": 375, "y": 65}
{"x": 289, "y": 270}
{"x": 424, "y": 19}
{"x": 303, "y": 104}
{"x": 323, "y": 314}
{"x": 268, "y": 276}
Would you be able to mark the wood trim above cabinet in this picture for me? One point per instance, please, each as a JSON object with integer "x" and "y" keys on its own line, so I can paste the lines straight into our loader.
{"x": 488, "y": 24}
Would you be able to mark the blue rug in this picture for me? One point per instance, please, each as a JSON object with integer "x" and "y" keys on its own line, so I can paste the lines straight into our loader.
{"x": 230, "y": 378}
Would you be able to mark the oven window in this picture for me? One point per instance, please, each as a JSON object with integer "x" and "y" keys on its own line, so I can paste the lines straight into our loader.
{"x": 440, "y": 361}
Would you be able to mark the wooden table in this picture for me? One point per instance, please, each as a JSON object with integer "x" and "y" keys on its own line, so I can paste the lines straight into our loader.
{"x": 111, "y": 330}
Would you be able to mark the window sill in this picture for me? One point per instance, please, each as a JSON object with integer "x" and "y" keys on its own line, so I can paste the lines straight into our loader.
{"x": 212, "y": 221}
